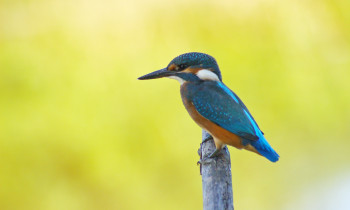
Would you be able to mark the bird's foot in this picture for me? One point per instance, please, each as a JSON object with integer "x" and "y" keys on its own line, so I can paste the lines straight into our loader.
{"x": 209, "y": 137}
{"x": 215, "y": 153}
{"x": 210, "y": 158}
{"x": 205, "y": 161}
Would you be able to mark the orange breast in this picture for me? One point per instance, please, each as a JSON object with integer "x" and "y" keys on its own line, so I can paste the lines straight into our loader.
{"x": 216, "y": 131}
{"x": 224, "y": 136}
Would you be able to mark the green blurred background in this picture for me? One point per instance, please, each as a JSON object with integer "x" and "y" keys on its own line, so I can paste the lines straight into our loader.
{"x": 79, "y": 131}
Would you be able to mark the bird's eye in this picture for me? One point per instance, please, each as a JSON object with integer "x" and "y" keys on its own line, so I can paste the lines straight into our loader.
{"x": 182, "y": 66}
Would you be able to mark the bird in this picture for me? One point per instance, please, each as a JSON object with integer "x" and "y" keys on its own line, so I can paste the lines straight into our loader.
{"x": 213, "y": 106}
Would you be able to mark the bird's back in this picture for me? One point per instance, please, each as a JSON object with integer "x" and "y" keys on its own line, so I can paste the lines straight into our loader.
{"x": 213, "y": 104}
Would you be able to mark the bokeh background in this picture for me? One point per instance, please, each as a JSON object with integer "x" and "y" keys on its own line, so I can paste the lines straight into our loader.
{"x": 79, "y": 131}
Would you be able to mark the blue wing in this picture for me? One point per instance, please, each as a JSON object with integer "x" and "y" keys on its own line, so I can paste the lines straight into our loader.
{"x": 214, "y": 101}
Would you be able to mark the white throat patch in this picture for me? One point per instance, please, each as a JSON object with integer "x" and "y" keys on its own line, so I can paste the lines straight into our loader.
{"x": 178, "y": 79}
{"x": 206, "y": 74}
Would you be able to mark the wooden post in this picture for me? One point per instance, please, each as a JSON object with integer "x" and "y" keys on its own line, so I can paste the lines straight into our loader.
{"x": 216, "y": 177}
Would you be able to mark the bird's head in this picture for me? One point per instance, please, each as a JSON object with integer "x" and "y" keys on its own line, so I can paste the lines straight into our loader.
{"x": 189, "y": 67}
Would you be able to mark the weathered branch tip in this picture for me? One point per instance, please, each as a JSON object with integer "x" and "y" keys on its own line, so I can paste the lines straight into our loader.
{"x": 216, "y": 177}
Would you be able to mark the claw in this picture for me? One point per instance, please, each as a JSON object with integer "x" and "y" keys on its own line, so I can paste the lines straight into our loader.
{"x": 207, "y": 139}
{"x": 205, "y": 161}
{"x": 215, "y": 153}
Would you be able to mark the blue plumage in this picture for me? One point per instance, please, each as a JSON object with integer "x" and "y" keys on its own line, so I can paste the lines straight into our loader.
{"x": 262, "y": 145}
{"x": 213, "y": 105}
{"x": 197, "y": 60}
{"x": 228, "y": 91}
{"x": 216, "y": 102}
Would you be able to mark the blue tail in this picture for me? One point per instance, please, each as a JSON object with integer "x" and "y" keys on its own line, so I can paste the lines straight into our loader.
{"x": 264, "y": 148}
{"x": 261, "y": 145}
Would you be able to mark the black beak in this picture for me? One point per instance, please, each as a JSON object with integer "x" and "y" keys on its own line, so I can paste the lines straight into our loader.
{"x": 157, "y": 74}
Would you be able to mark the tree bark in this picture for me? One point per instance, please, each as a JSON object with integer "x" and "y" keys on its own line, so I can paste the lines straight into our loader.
{"x": 216, "y": 177}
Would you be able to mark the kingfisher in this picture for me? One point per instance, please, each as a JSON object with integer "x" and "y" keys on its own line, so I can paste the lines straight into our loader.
{"x": 213, "y": 106}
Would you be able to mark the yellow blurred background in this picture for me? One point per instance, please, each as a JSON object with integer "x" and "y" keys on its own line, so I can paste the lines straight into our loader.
{"x": 79, "y": 131}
